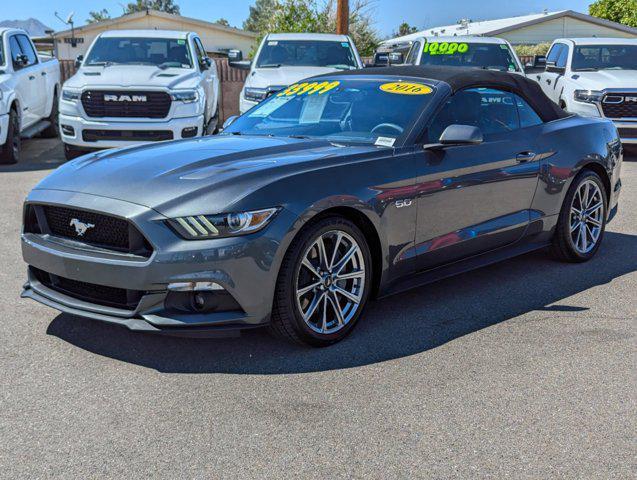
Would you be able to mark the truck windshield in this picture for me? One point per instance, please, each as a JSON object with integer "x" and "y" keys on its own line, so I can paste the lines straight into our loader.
{"x": 604, "y": 57}
{"x": 489, "y": 56}
{"x": 345, "y": 109}
{"x": 306, "y": 53}
{"x": 160, "y": 52}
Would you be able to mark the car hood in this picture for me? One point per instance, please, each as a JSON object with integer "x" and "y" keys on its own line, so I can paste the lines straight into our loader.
{"x": 283, "y": 76}
{"x": 199, "y": 176}
{"x": 606, "y": 79}
{"x": 142, "y": 76}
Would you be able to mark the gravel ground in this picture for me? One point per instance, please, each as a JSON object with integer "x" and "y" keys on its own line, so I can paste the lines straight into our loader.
{"x": 525, "y": 369}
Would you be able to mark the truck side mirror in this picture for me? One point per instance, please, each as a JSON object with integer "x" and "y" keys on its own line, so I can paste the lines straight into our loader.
{"x": 205, "y": 63}
{"x": 21, "y": 61}
{"x": 396, "y": 58}
{"x": 235, "y": 55}
{"x": 553, "y": 68}
{"x": 78, "y": 61}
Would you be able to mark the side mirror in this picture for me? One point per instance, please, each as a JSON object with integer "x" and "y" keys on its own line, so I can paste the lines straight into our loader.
{"x": 553, "y": 68}
{"x": 241, "y": 65}
{"x": 21, "y": 61}
{"x": 78, "y": 61}
{"x": 205, "y": 63}
{"x": 395, "y": 58}
{"x": 229, "y": 121}
{"x": 461, "y": 135}
{"x": 235, "y": 55}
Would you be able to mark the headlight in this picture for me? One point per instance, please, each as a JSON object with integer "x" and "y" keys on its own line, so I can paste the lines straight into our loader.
{"x": 255, "y": 94}
{"x": 186, "y": 96}
{"x": 201, "y": 227}
{"x": 70, "y": 96}
{"x": 588, "y": 96}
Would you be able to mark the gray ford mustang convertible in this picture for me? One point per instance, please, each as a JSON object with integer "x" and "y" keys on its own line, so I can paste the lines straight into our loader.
{"x": 335, "y": 190}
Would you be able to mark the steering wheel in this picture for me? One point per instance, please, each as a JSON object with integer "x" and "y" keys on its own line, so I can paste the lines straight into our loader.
{"x": 398, "y": 128}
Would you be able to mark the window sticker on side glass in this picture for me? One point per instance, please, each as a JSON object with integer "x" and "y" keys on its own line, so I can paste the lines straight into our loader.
{"x": 445, "y": 48}
{"x": 310, "y": 88}
{"x": 385, "y": 141}
{"x": 406, "y": 88}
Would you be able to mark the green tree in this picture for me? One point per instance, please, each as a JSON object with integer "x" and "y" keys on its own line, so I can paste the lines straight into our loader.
{"x": 620, "y": 11}
{"x": 167, "y": 6}
{"x": 260, "y": 16}
{"x": 223, "y": 21}
{"x": 98, "y": 16}
{"x": 404, "y": 29}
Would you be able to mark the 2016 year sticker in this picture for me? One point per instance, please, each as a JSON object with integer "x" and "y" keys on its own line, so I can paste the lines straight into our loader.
{"x": 406, "y": 88}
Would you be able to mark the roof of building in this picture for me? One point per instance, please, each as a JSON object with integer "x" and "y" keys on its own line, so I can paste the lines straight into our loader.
{"x": 599, "y": 41}
{"x": 502, "y": 25}
{"x": 460, "y": 78}
{"x": 157, "y": 13}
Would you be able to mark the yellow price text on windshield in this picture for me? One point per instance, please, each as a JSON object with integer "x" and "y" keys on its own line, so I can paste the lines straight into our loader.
{"x": 445, "y": 48}
{"x": 406, "y": 88}
{"x": 308, "y": 88}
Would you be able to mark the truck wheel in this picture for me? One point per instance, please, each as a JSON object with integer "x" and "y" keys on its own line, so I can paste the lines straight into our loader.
{"x": 10, "y": 152}
{"x": 70, "y": 152}
{"x": 53, "y": 130}
{"x": 212, "y": 127}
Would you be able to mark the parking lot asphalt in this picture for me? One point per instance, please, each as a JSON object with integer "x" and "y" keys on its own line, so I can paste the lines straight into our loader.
{"x": 525, "y": 369}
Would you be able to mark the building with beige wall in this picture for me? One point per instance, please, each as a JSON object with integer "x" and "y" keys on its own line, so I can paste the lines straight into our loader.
{"x": 216, "y": 38}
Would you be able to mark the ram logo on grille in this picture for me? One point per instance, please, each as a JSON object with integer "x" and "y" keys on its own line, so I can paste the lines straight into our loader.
{"x": 630, "y": 99}
{"x": 80, "y": 227}
{"x": 125, "y": 98}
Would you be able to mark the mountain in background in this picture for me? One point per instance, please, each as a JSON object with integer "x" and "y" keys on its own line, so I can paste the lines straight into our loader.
{"x": 34, "y": 27}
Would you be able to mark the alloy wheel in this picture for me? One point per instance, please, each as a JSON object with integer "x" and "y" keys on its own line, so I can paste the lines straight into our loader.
{"x": 330, "y": 282}
{"x": 587, "y": 216}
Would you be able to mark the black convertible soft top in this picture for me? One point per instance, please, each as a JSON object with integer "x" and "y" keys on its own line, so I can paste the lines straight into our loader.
{"x": 460, "y": 78}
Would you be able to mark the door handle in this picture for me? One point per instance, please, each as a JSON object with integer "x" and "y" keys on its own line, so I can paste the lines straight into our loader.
{"x": 524, "y": 157}
{"x": 31, "y": 77}
{"x": 548, "y": 80}
{"x": 44, "y": 74}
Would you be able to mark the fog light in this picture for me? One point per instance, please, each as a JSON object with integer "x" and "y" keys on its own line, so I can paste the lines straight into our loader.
{"x": 189, "y": 132}
{"x": 194, "y": 286}
{"x": 68, "y": 130}
{"x": 201, "y": 301}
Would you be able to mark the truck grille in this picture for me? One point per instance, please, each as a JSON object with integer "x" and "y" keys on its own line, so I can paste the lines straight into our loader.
{"x": 90, "y": 292}
{"x": 91, "y": 228}
{"x": 127, "y": 135}
{"x": 625, "y": 109}
{"x": 125, "y": 104}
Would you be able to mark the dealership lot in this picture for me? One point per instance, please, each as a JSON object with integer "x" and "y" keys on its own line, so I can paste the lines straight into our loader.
{"x": 521, "y": 369}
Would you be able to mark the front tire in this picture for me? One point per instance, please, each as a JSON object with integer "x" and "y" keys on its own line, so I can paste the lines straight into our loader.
{"x": 10, "y": 151}
{"x": 323, "y": 285}
{"x": 70, "y": 152}
{"x": 582, "y": 220}
{"x": 53, "y": 130}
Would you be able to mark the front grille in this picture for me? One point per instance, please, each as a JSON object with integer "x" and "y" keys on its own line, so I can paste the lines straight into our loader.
{"x": 90, "y": 228}
{"x": 627, "y": 132}
{"x": 90, "y": 292}
{"x": 127, "y": 135}
{"x": 626, "y": 109}
{"x": 126, "y": 104}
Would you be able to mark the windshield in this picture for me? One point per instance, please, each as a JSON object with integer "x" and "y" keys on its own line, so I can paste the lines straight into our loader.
{"x": 607, "y": 57}
{"x": 307, "y": 53}
{"x": 354, "y": 109}
{"x": 161, "y": 52}
{"x": 488, "y": 56}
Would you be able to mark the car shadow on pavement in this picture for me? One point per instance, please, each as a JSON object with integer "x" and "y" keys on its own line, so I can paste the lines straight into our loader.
{"x": 38, "y": 154}
{"x": 395, "y": 327}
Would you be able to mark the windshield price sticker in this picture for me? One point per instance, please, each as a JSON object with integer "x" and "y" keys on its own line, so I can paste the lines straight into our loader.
{"x": 311, "y": 88}
{"x": 405, "y": 88}
{"x": 445, "y": 48}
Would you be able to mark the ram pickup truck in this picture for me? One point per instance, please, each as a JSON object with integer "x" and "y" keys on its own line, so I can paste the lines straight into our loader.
{"x": 29, "y": 85}
{"x": 594, "y": 77}
{"x": 138, "y": 86}
{"x": 286, "y": 58}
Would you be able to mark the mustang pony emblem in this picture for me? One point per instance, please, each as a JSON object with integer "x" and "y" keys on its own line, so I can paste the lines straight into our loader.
{"x": 80, "y": 227}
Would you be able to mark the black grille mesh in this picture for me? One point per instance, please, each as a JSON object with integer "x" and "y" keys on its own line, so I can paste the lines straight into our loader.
{"x": 157, "y": 104}
{"x": 127, "y": 135}
{"x": 620, "y": 110}
{"x": 106, "y": 231}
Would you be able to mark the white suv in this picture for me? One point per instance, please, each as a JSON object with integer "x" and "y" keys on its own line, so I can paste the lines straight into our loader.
{"x": 139, "y": 86}
{"x": 594, "y": 77}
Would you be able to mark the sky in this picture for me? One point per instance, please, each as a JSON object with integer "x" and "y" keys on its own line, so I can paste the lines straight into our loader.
{"x": 387, "y": 14}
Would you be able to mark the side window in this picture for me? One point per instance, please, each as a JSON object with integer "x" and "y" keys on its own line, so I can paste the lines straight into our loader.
{"x": 494, "y": 112}
{"x": 554, "y": 53}
{"x": 27, "y": 49}
{"x": 412, "y": 57}
{"x": 16, "y": 51}
{"x": 528, "y": 116}
{"x": 561, "y": 60}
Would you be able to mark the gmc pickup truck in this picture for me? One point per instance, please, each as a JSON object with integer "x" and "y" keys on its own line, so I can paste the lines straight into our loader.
{"x": 139, "y": 86}
{"x": 596, "y": 77}
{"x": 29, "y": 86}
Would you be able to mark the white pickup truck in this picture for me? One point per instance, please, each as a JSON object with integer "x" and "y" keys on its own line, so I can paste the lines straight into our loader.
{"x": 595, "y": 77}
{"x": 138, "y": 86}
{"x": 286, "y": 58}
{"x": 29, "y": 85}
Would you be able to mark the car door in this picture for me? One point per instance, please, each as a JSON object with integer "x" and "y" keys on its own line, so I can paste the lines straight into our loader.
{"x": 550, "y": 79}
{"x": 476, "y": 198}
{"x": 35, "y": 76}
{"x": 25, "y": 85}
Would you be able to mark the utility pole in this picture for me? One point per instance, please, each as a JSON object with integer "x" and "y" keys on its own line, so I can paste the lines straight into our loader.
{"x": 342, "y": 17}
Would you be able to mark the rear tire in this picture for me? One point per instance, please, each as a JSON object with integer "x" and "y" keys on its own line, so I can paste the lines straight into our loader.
{"x": 10, "y": 151}
{"x": 53, "y": 130}
{"x": 321, "y": 291}
{"x": 582, "y": 220}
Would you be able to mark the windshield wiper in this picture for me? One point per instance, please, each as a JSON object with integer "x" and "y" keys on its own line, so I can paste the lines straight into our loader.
{"x": 270, "y": 65}
{"x": 101, "y": 64}
{"x": 588, "y": 69}
{"x": 302, "y": 137}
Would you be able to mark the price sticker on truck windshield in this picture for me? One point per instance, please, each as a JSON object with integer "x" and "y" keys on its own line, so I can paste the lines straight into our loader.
{"x": 406, "y": 88}
{"x": 445, "y": 48}
{"x": 308, "y": 88}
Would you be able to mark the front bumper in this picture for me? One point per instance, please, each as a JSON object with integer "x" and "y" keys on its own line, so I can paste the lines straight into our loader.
{"x": 246, "y": 267}
{"x": 4, "y": 126}
{"x": 627, "y": 131}
{"x": 80, "y": 124}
